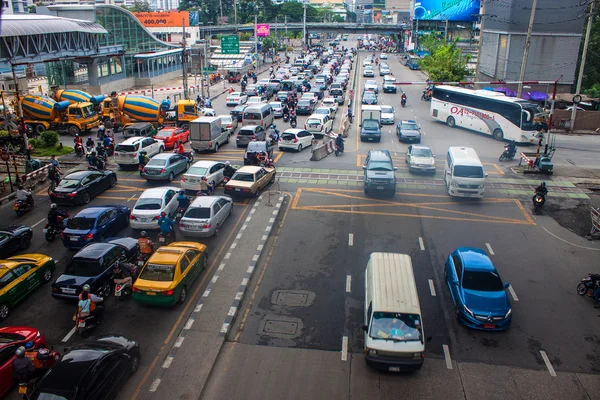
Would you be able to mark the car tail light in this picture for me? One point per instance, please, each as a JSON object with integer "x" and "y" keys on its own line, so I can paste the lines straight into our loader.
{"x": 132, "y": 217}
{"x": 167, "y": 292}
{"x": 295, "y": 140}
{"x": 246, "y": 190}
{"x": 135, "y": 290}
{"x": 254, "y": 136}
{"x": 117, "y": 287}
{"x": 210, "y": 144}
{"x": 72, "y": 194}
{"x": 145, "y": 170}
{"x": 229, "y": 126}
{"x": 62, "y": 235}
{"x": 162, "y": 171}
{"x": 89, "y": 236}
{"x": 304, "y": 126}
{"x": 156, "y": 218}
{"x": 55, "y": 290}
{"x": 51, "y": 193}
{"x": 133, "y": 155}
{"x": 206, "y": 226}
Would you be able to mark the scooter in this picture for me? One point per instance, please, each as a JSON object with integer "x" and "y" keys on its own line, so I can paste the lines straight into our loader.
{"x": 142, "y": 258}
{"x": 79, "y": 151}
{"x": 338, "y": 150}
{"x": 425, "y": 96}
{"x": 286, "y": 118}
{"x": 84, "y": 325}
{"x": 293, "y": 122}
{"x": 123, "y": 290}
{"x": 403, "y": 102}
{"x": 179, "y": 214}
{"x": 187, "y": 154}
{"x": 588, "y": 285}
{"x": 538, "y": 202}
{"x": 22, "y": 206}
{"x": 508, "y": 153}
{"x": 164, "y": 238}
{"x": 51, "y": 232}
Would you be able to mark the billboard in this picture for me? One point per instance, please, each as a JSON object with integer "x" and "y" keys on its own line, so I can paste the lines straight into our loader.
{"x": 159, "y": 19}
{"x": 453, "y": 10}
{"x": 263, "y": 30}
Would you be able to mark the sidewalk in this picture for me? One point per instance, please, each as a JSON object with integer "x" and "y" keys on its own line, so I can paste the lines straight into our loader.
{"x": 184, "y": 371}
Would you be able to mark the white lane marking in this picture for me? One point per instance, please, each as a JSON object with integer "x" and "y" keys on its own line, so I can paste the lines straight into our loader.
{"x": 167, "y": 362}
{"x": 548, "y": 363}
{"x": 431, "y": 287}
{"x": 447, "y": 356}
{"x": 348, "y": 283}
{"x": 350, "y": 239}
{"x": 490, "y": 249}
{"x": 37, "y": 223}
{"x": 421, "y": 244}
{"x": 66, "y": 338}
{"x": 132, "y": 197}
{"x": 154, "y": 385}
{"x": 512, "y": 293}
{"x": 344, "y": 348}
{"x": 188, "y": 324}
{"x": 179, "y": 341}
{"x": 566, "y": 241}
{"x": 395, "y": 153}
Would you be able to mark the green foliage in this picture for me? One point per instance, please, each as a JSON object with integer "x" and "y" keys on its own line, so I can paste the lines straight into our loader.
{"x": 446, "y": 63}
{"x": 140, "y": 6}
{"x": 36, "y": 143}
{"x": 593, "y": 91}
{"x": 49, "y": 138}
{"x": 429, "y": 43}
{"x": 49, "y": 151}
{"x": 295, "y": 12}
{"x": 3, "y": 133}
{"x": 245, "y": 36}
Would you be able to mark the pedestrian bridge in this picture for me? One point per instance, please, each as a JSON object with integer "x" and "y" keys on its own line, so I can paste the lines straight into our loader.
{"x": 344, "y": 27}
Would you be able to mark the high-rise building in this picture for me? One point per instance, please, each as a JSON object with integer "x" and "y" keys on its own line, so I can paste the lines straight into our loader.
{"x": 555, "y": 39}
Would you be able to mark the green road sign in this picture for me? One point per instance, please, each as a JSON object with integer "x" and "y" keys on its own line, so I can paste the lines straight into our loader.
{"x": 230, "y": 45}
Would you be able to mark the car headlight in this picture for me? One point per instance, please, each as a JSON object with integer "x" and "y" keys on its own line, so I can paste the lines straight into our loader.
{"x": 508, "y": 314}
{"x": 418, "y": 355}
{"x": 480, "y": 187}
{"x": 468, "y": 311}
{"x": 523, "y": 137}
{"x": 453, "y": 184}
{"x": 371, "y": 352}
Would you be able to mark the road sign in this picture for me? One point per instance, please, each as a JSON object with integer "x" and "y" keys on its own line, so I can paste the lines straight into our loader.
{"x": 351, "y": 94}
{"x": 230, "y": 45}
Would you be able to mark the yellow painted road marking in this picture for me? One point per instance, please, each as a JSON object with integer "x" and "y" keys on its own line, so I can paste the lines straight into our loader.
{"x": 278, "y": 157}
{"x": 402, "y": 164}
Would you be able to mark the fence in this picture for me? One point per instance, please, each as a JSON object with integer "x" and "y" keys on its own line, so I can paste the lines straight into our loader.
{"x": 595, "y": 214}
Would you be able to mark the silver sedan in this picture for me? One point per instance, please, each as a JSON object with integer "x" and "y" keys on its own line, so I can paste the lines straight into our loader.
{"x": 205, "y": 216}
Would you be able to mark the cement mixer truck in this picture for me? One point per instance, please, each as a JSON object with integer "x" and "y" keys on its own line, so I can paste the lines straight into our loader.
{"x": 78, "y": 96}
{"x": 42, "y": 113}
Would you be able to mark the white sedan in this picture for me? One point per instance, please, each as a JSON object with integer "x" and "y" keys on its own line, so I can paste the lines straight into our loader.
{"x": 325, "y": 111}
{"x": 212, "y": 170}
{"x": 383, "y": 56}
{"x": 277, "y": 108}
{"x": 236, "y": 98}
{"x": 295, "y": 139}
{"x": 150, "y": 204}
{"x": 331, "y": 103}
{"x": 372, "y": 85}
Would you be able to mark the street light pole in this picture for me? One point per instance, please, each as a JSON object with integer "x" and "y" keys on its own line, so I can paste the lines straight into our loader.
{"x": 586, "y": 43}
{"x": 304, "y": 27}
{"x": 526, "y": 52}
{"x": 478, "y": 67}
{"x": 256, "y": 37}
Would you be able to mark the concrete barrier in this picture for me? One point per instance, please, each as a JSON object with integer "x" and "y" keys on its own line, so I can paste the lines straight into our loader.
{"x": 322, "y": 151}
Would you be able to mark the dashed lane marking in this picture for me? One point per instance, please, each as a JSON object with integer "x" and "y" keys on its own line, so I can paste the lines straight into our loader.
{"x": 447, "y": 356}
{"x": 431, "y": 287}
{"x": 37, "y": 223}
{"x": 548, "y": 363}
{"x": 421, "y": 244}
{"x": 348, "y": 283}
{"x": 350, "y": 239}
{"x": 345, "y": 348}
{"x": 66, "y": 338}
{"x": 512, "y": 293}
{"x": 490, "y": 249}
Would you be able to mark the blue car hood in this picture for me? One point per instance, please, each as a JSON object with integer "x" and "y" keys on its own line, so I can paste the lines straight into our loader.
{"x": 484, "y": 303}
{"x": 72, "y": 280}
{"x": 78, "y": 232}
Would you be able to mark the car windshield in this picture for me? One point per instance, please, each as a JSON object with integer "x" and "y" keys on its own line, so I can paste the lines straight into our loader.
{"x": 148, "y": 204}
{"x": 483, "y": 281}
{"x": 313, "y": 121}
{"x": 468, "y": 171}
{"x": 243, "y": 177}
{"x": 396, "y": 326}
{"x": 158, "y": 162}
{"x": 421, "y": 153}
{"x": 69, "y": 183}
{"x": 380, "y": 166}
{"x": 387, "y": 109}
{"x": 226, "y": 120}
{"x": 370, "y": 125}
{"x": 256, "y": 147}
{"x": 126, "y": 148}
{"x": 158, "y": 273}
{"x": 246, "y": 132}
{"x": 252, "y": 115}
{"x": 198, "y": 213}
{"x": 304, "y": 103}
{"x": 410, "y": 126}
{"x": 81, "y": 223}
{"x": 369, "y": 95}
{"x": 83, "y": 267}
{"x": 197, "y": 171}
{"x": 275, "y": 105}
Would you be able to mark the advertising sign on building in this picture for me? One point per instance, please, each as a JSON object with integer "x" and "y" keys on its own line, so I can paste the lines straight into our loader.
{"x": 263, "y": 30}
{"x": 158, "y": 19}
{"x": 455, "y": 10}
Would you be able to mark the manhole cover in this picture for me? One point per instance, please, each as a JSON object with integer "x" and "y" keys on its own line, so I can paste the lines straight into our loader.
{"x": 293, "y": 298}
{"x": 281, "y": 326}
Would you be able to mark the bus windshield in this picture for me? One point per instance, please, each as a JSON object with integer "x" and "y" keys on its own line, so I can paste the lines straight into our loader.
{"x": 528, "y": 113}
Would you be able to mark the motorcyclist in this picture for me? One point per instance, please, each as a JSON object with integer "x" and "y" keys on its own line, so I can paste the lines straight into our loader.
{"x": 53, "y": 215}
{"x": 77, "y": 141}
{"x": 142, "y": 160}
{"x": 22, "y": 366}
{"x": 179, "y": 149}
{"x": 101, "y": 132}
{"x": 166, "y": 225}
{"x": 229, "y": 170}
{"x": 24, "y": 195}
{"x": 122, "y": 276}
{"x": 541, "y": 190}
{"x": 54, "y": 174}
{"x": 403, "y": 99}
{"x": 32, "y": 353}
{"x": 146, "y": 245}
{"x": 183, "y": 200}
{"x": 339, "y": 142}
{"x": 95, "y": 161}
{"x": 274, "y": 132}
{"x": 107, "y": 141}
{"x": 100, "y": 150}
{"x": 89, "y": 144}
{"x": 293, "y": 118}
{"x": 512, "y": 147}
{"x": 89, "y": 303}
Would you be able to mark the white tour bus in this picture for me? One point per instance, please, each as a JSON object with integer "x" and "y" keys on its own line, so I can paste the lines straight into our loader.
{"x": 491, "y": 113}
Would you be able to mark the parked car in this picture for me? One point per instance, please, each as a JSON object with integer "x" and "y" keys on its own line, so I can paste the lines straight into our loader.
{"x": 20, "y": 276}
{"x": 165, "y": 167}
{"x": 319, "y": 124}
{"x": 126, "y": 152}
{"x": 14, "y": 238}
{"x": 229, "y": 123}
{"x": 295, "y": 139}
{"x": 248, "y": 133}
{"x": 236, "y": 99}
{"x": 249, "y": 181}
{"x": 149, "y": 206}
{"x": 169, "y": 274}
{"x": 205, "y": 216}
{"x": 420, "y": 159}
{"x": 212, "y": 170}
{"x": 79, "y": 187}
{"x": 238, "y": 112}
{"x": 478, "y": 292}
{"x": 408, "y": 131}
{"x": 94, "y": 224}
{"x": 75, "y": 376}
{"x": 172, "y": 135}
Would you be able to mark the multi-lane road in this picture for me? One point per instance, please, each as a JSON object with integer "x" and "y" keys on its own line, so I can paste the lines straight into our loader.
{"x": 290, "y": 269}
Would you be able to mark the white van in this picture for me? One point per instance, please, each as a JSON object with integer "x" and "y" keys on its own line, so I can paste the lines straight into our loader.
{"x": 207, "y": 133}
{"x": 464, "y": 175}
{"x": 394, "y": 336}
{"x": 259, "y": 114}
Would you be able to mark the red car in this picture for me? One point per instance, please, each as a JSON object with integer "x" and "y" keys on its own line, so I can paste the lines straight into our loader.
{"x": 11, "y": 337}
{"x": 170, "y": 136}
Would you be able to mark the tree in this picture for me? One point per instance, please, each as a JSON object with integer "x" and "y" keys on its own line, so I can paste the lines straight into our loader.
{"x": 295, "y": 12}
{"x": 446, "y": 63}
{"x": 140, "y": 6}
{"x": 591, "y": 72}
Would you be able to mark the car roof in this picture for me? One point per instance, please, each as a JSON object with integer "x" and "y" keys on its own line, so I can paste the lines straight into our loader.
{"x": 157, "y": 192}
{"x": 249, "y": 169}
{"x": 66, "y": 375}
{"x": 295, "y": 131}
{"x": 163, "y": 156}
{"x": 167, "y": 255}
{"x": 379, "y": 155}
{"x": 205, "y": 201}
{"x": 93, "y": 212}
{"x": 421, "y": 146}
{"x": 331, "y": 99}
{"x": 94, "y": 250}
{"x": 132, "y": 140}
{"x": 205, "y": 163}
{"x": 249, "y": 127}
{"x": 475, "y": 259}
{"x": 12, "y": 228}
{"x": 77, "y": 175}
{"x": 168, "y": 128}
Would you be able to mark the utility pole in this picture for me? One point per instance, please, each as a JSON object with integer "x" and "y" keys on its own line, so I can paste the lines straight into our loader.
{"x": 526, "y": 52}
{"x": 235, "y": 16}
{"x": 286, "y": 36}
{"x": 221, "y": 7}
{"x": 446, "y": 32}
{"x": 305, "y": 41}
{"x": 205, "y": 72}
{"x": 586, "y": 43}
{"x": 184, "y": 65}
{"x": 416, "y": 38}
{"x": 478, "y": 68}
{"x": 256, "y": 37}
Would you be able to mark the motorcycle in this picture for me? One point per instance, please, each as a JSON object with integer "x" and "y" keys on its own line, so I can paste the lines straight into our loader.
{"x": 142, "y": 258}
{"x": 338, "y": 150}
{"x": 588, "y": 285}
{"x": 51, "y": 232}
{"x": 110, "y": 149}
{"x": 286, "y": 118}
{"x": 79, "y": 150}
{"x": 293, "y": 123}
{"x": 43, "y": 360}
{"x": 508, "y": 153}
{"x": 164, "y": 238}
{"x": 403, "y": 102}
{"x": 22, "y": 206}
{"x": 179, "y": 214}
{"x": 123, "y": 290}
{"x": 425, "y": 96}
{"x": 538, "y": 202}
{"x": 187, "y": 154}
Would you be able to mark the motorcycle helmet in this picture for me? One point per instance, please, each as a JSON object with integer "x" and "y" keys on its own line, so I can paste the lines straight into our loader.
{"x": 86, "y": 288}
{"x": 227, "y": 163}
{"x": 143, "y": 234}
{"x": 93, "y": 153}
{"x": 89, "y": 138}
{"x": 182, "y": 191}
{"x": 20, "y": 352}
{"x": 544, "y": 184}
{"x": 164, "y": 214}
{"x": 29, "y": 345}
{"x": 53, "y": 206}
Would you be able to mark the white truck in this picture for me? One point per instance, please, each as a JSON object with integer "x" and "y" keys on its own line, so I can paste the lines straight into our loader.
{"x": 370, "y": 123}
{"x": 207, "y": 134}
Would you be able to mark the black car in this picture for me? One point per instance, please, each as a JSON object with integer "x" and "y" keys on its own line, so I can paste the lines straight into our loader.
{"x": 81, "y": 186}
{"x": 14, "y": 238}
{"x": 93, "y": 265}
{"x": 318, "y": 91}
{"x": 238, "y": 112}
{"x": 254, "y": 148}
{"x": 95, "y": 369}
{"x": 305, "y": 107}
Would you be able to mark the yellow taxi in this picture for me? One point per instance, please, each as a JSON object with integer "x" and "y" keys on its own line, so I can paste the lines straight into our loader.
{"x": 169, "y": 273}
